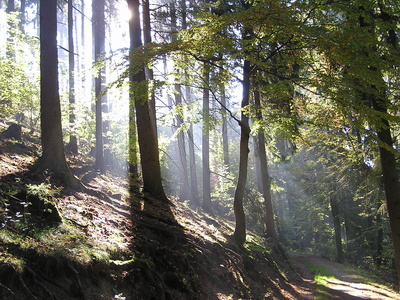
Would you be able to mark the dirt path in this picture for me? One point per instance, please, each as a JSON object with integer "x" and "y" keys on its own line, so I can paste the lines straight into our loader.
{"x": 346, "y": 284}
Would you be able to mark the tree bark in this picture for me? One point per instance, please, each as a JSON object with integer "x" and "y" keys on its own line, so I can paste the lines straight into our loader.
{"x": 10, "y": 46}
{"x": 73, "y": 142}
{"x": 194, "y": 193}
{"x": 53, "y": 156}
{"x": 377, "y": 97}
{"x": 99, "y": 49}
{"x": 22, "y": 16}
{"x": 10, "y": 6}
{"x": 207, "y": 206}
{"x": 225, "y": 140}
{"x": 149, "y": 155}
{"x": 149, "y": 70}
{"x": 192, "y": 163}
{"x": 379, "y": 241}
{"x": 270, "y": 231}
{"x": 183, "y": 180}
{"x": 183, "y": 170}
{"x": 337, "y": 228}
{"x": 390, "y": 178}
{"x": 240, "y": 219}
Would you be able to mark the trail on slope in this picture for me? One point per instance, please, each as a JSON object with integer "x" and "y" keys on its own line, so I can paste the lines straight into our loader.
{"x": 345, "y": 283}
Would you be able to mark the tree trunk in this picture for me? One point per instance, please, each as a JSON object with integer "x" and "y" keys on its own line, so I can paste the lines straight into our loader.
{"x": 10, "y": 46}
{"x": 82, "y": 47}
{"x": 194, "y": 193}
{"x": 10, "y": 6}
{"x": 99, "y": 49}
{"x": 206, "y": 142}
{"x": 225, "y": 140}
{"x": 257, "y": 164}
{"x": 183, "y": 172}
{"x": 53, "y": 156}
{"x": 133, "y": 153}
{"x": 379, "y": 240}
{"x": 240, "y": 225}
{"x": 390, "y": 178}
{"x": 270, "y": 231}
{"x": 22, "y": 16}
{"x": 337, "y": 228}
{"x": 192, "y": 163}
{"x": 183, "y": 180}
{"x": 149, "y": 155}
{"x": 149, "y": 70}
{"x": 378, "y": 98}
{"x": 73, "y": 143}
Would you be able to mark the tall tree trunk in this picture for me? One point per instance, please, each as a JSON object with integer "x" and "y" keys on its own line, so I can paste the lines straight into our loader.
{"x": 53, "y": 156}
{"x": 183, "y": 180}
{"x": 376, "y": 95}
{"x": 192, "y": 159}
{"x": 337, "y": 228}
{"x": 10, "y": 46}
{"x": 82, "y": 47}
{"x": 99, "y": 50}
{"x": 379, "y": 240}
{"x": 183, "y": 173}
{"x": 194, "y": 193}
{"x": 390, "y": 178}
{"x": 270, "y": 231}
{"x": 149, "y": 155}
{"x": 206, "y": 141}
{"x": 10, "y": 6}
{"x": 225, "y": 140}
{"x": 257, "y": 164}
{"x": 22, "y": 16}
{"x": 240, "y": 219}
{"x": 149, "y": 70}
{"x": 73, "y": 143}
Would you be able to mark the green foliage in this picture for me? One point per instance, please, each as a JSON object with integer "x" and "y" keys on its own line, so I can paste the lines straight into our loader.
{"x": 19, "y": 78}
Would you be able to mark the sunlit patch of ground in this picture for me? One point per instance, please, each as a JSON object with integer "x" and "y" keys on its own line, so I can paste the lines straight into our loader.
{"x": 103, "y": 214}
{"x": 360, "y": 290}
{"x": 14, "y": 157}
{"x": 336, "y": 281}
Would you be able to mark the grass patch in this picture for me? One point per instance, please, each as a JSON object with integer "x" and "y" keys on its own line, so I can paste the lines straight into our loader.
{"x": 67, "y": 241}
{"x": 253, "y": 245}
{"x": 321, "y": 277}
{"x": 63, "y": 241}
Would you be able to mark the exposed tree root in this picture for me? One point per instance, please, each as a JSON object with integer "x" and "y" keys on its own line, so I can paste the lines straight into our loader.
{"x": 78, "y": 280}
{"x": 38, "y": 282}
{"x": 26, "y": 289}
{"x": 7, "y": 289}
{"x": 46, "y": 278}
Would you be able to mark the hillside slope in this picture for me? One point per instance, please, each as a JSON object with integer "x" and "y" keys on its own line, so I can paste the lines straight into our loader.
{"x": 113, "y": 242}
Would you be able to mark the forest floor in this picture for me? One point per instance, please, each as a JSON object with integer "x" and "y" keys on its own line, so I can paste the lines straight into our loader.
{"x": 111, "y": 241}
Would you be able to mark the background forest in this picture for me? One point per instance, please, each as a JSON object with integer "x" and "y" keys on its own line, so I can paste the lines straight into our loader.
{"x": 281, "y": 116}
